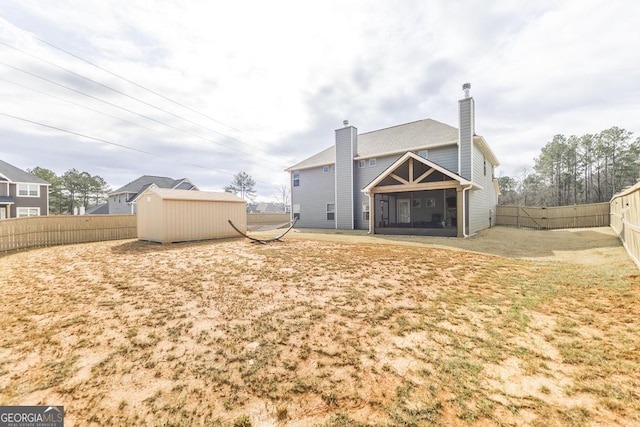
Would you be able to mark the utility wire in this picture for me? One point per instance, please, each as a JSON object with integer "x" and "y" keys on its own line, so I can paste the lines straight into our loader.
{"x": 134, "y": 98}
{"x": 147, "y": 89}
{"x": 82, "y": 135}
{"x": 120, "y": 107}
{"x": 123, "y": 93}
{"x": 78, "y": 105}
{"x": 97, "y": 139}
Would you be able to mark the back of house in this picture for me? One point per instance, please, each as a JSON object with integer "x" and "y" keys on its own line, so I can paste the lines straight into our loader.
{"x": 421, "y": 178}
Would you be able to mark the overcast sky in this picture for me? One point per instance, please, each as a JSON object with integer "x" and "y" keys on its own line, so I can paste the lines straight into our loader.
{"x": 204, "y": 89}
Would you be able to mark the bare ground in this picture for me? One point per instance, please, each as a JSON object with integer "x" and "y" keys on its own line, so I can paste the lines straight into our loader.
{"x": 509, "y": 327}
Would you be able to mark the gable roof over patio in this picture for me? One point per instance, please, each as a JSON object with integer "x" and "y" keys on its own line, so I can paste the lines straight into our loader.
{"x": 414, "y": 173}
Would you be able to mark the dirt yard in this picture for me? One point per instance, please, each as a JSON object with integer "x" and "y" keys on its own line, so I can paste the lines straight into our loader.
{"x": 509, "y": 327}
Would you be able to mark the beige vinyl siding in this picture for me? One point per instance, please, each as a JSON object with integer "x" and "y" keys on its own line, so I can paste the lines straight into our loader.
{"x": 178, "y": 215}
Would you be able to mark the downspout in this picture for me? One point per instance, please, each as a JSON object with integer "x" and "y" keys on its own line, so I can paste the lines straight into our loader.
{"x": 464, "y": 211}
{"x": 372, "y": 213}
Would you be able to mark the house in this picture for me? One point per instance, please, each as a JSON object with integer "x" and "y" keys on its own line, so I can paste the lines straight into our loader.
{"x": 267, "y": 207}
{"x": 423, "y": 177}
{"x": 124, "y": 199}
{"x": 22, "y": 194}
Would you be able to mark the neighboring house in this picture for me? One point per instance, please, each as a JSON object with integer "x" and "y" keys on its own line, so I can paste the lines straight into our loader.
{"x": 424, "y": 177}
{"x": 124, "y": 199}
{"x": 264, "y": 207}
{"x": 22, "y": 193}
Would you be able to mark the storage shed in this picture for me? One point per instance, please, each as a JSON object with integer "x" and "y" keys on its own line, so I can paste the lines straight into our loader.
{"x": 167, "y": 216}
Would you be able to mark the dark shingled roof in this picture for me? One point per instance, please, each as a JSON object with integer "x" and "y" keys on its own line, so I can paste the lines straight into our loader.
{"x": 15, "y": 174}
{"x": 142, "y": 183}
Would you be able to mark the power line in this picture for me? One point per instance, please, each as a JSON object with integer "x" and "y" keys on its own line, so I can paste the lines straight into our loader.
{"x": 59, "y": 98}
{"x": 145, "y": 88}
{"x": 82, "y": 135}
{"x": 132, "y": 97}
{"x": 122, "y": 93}
{"x": 94, "y": 138}
{"x": 118, "y": 106}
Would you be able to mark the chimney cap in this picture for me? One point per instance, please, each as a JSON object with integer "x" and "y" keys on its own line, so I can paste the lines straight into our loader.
{"x": 466, "y": 88}
{"x": 345, "y": 123}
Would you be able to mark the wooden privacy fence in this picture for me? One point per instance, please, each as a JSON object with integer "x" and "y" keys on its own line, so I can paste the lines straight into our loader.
{"x": 576, "y": 216}
{"x": 625, "y": 220}
{"x": 21, "y": 233}
{"x": 38, "y": 231}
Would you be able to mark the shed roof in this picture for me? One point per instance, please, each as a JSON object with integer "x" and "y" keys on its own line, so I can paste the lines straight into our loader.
{"x": 212, "y": 196}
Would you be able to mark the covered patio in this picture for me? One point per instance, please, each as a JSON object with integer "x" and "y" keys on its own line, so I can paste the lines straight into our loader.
{"x": 417, "y": 197}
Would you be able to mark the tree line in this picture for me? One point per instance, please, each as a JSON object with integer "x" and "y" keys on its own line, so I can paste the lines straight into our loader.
{"x": 72, "y": 189}
{"x": 575, "y": 170}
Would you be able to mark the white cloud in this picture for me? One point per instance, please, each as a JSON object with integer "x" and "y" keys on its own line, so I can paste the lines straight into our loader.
{"x": 284, "y": 74}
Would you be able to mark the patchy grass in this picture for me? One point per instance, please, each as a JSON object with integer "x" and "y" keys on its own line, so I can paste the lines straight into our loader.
{"x": 311, "y": 332}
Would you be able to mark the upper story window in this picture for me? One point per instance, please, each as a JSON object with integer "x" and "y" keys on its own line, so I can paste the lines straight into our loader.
{"x": 484, "y": 165}
{"x": 325, "y": 169}
{"x": 362, "y": 164}
{"x": 372, "y": 162}
{"x": 424, "y": 154}
{"x": 28, "y": 190}
{"x": 296, "y": 178}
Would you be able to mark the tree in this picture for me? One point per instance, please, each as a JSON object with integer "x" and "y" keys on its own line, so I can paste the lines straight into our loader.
{"x": 72, "y": 182}
{"x": 586, "y": 169}
{"x": 242, "y": 185}
{"x": 284, "y": 193}
{"x": 57, "y": 200}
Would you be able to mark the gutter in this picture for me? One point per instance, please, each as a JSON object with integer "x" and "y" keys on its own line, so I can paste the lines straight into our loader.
{"x": 464, "y": 212}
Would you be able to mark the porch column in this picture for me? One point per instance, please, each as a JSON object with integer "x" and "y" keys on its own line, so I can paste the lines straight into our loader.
{"x": 460, "y": 211}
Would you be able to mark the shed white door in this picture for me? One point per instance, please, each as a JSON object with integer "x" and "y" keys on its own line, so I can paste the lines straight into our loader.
{"x": 404, "y": 211}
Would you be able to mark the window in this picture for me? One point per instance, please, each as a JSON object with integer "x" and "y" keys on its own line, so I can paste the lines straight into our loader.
{"x": 296, "y": 212}
{"x": 365, "y": 211}
{"x": 484, "y": 165}
{"x": 296, "y": 179}
{"x": 424, "y": 154}
{"x": 325, "y": 169}
{"x": 361, "y": 164}
{"x": 331, "y": 211}
{"x": 372, "y": 162}
{"x": 24, "y": 212}
{"x": 29, "y": 190}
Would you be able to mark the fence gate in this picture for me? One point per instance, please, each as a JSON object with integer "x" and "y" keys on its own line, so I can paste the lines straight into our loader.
{"x": 576, "y": 216}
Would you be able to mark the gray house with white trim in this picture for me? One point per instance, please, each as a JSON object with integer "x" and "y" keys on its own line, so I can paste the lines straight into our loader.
{"x": 422, "y": 178}
{"x": 22, "y": 193}
{"x": 124, "y": 200}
